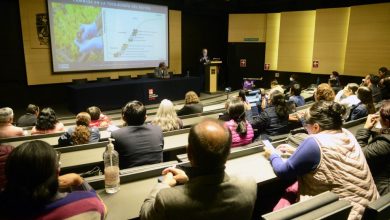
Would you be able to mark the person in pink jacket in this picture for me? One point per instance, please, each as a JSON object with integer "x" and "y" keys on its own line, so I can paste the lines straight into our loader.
{"x": 241, "y": 129}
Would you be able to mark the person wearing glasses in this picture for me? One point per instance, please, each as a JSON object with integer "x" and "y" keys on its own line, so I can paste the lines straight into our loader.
{"x": 330, "y": 159}
{"x": 35, "y": 191}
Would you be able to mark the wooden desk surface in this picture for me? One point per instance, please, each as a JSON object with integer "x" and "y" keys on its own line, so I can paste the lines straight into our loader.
{"x": 127, "y": 203}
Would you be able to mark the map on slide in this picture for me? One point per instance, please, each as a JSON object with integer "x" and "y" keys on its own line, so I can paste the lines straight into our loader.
{"x": 134, "y": 36}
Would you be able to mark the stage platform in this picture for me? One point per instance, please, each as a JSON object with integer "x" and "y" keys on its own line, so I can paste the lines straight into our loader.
{"x": 115, "y": 94}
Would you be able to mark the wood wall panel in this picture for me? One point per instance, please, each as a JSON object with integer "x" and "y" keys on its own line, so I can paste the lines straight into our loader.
{"x": 330, "y": 39}
{"x": 38, "y": 59}
{"x": 368, "y": 46}
{"x": 296, "y": 40}
{"x": 243, "y": 26}
{"x": 272, "y": 40}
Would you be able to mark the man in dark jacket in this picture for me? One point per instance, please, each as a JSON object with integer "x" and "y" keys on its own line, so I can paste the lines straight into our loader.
{"x": 377, "y": 151}
{"x": 137, "y": 143}
{"x": 30, "y": 118}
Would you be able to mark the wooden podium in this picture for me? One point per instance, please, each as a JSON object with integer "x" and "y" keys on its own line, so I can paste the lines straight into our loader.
{"x": 211, "y": 76}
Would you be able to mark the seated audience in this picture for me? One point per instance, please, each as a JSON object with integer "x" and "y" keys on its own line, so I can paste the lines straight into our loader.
{"x": 166, "y": 117}
{"x": 161, "y": 71}
{"x": 137, "y": 143}
{"x": 192, "y": 104}
{"x": 204, "y": 190}
{"x": 275, "y": 87}
{"x": 5, "y": 150}
{"x": 364, "y": 107}
{"x": 6, "y": 128}
{"x": 376, "y": 147}
{"x": 273, "y": 120}
{"x": 293, "y": 80}
{"x": 335, "y": 77}
{"x": 98, "y": 119}
{"x": 347, "y": 96}
{"x": 242, "y": 95}
{"x": 241, "y": 129}
{"x": 295, "y": 95}
{"x": 47, "y": 123}
{"x": 324, "y": 92}
{"x": 225, "y": 116}
{"x": 372, "y": 82}
{"x": 383, "y": 72}
{"x": 32, "y": 189}
{"x": 30, "y": 118}
{"x": 385, "y": 90}
{"x": 330, "y": 159}
{"x": 82, "y": 133}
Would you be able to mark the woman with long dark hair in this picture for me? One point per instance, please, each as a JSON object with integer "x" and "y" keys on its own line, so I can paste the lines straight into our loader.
{"x": 242, "y": 132}
{"x": 330, "y": 159}
{"x": 273, "y": 120}
{"x": 47, "y": 123}
{"x": 365, "y": 106}
{"x": 31, "y": 191}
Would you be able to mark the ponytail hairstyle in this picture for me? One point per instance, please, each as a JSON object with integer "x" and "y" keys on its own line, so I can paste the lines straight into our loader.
{"x": 236, "y": 112}
{"x": 281, "y": 108}
{"x": 242, "y": 94}
{"x": 365, "y": 95}
{"x": 32, "y": 179}
{"x": 327, "y": 114}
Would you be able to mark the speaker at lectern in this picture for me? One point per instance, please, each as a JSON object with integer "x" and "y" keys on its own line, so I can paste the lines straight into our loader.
{"x": 211, "y": 75}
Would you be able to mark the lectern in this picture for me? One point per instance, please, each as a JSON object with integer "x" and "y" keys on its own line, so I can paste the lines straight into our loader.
{"x": 211, "y": 75}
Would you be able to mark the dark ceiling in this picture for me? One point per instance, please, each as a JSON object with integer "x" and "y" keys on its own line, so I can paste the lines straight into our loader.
{"x": 256, "y": 6}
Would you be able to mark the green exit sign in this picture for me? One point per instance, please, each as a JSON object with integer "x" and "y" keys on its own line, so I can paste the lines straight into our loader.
{"x": 251, "y": 39}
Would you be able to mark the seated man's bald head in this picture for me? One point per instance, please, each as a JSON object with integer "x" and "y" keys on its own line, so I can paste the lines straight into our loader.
{"x": 209, "y": 144}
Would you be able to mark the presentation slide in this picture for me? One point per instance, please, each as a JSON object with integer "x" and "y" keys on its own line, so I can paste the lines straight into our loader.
{"x": 106, "y": 35}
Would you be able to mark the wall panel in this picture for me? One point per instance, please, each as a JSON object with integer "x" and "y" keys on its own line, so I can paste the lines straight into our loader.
{"x": 330, "y": 39}
{"x": 272, "y": 40}
{"x": 368, "y": 46}
{"x": 296, "y": 41}
{"x": 243, "y": 26}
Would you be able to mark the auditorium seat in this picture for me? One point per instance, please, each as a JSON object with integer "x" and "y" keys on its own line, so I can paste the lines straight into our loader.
{"x": 323, "y": 206}
{"x": 80, "y": 81}
{"x": 379, "y": 209}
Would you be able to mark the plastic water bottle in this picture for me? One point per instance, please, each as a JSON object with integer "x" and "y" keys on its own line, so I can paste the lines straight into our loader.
{"x": 111, "y": 169}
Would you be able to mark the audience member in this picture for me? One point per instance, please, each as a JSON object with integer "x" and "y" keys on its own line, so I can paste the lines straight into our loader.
{"x": 207, "y": 192}
{"x": 82, "y": 133}
{"x": 5, "y": 150}
{"x": 98, "y": 119}
{"x": 383, "y": 72}
{"x": 372, "y": 82}
{"x": 241, "y": 129}
{"x": 385, "y": 90}
{"x": 273, "y": 120}
{"x": 295, "y": 95}
{"x": 275, "y": 87}
{"x": 137, "y": 143}
{"x": 330, "y": 159}
{"x": 376, "y": 147}
{"x": 347, "y": 96}
{"x": 32, "y": 189}
{"x": 47, "y": 123}
{"x": 242, "y": 95}
{"x": 334, "y": 79}
{"x": 30, "y": 118}
{"x": 192, "y": 104}
{"x": 6, "y": 128}
{"x": 293, "y": 80}
{"x": 324, "y": 92}
{"x": 166, "y": 117}
{"x": 364, "y": 107}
